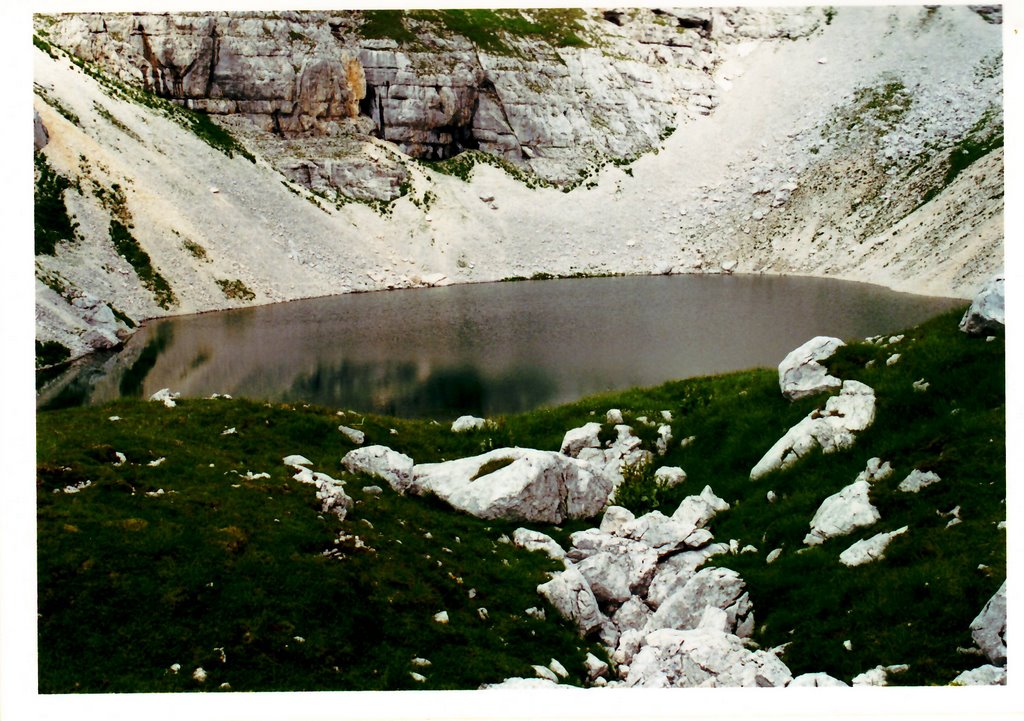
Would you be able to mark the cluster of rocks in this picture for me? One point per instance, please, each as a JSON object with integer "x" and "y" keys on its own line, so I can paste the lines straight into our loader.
{"x": 637, "y": 583}
{"x": 524, "y": 483}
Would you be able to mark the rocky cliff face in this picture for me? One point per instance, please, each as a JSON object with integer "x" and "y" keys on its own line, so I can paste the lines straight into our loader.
{"x": 863, "y": 143}
{"x": 432, "y": 93}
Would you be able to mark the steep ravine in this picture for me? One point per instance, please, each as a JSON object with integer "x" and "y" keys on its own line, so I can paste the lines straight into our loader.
{"x": 757, "y": 141}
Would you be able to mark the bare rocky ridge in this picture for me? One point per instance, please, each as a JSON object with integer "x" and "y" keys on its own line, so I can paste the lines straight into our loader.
{"x": 805, "y": 142}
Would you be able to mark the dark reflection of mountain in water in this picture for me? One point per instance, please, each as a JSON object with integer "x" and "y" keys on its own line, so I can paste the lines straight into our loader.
{"x": 488, "y": 348}
{"x": 397, "y": 388}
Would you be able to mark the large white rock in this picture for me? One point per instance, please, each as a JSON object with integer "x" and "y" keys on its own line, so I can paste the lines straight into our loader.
{"x": 540, "y": 486}
{"x": 669, "y": 476}
{"x": 877, "y": 676}
{"x": 381, "y": 462}
{"x": 815, "y": 680}
{"x": 916, "y": 480}
{"x": 801, "y": 373}
{"x": 832, "y": 429}
{"x": 633, "y": 614}
{"x": 577, "y": 439}
{"x": 842, "y": 512}
{"x": 989, "y": 627}
{"x": 332, "y": 496}
{"x": 614, "y": 518}
{"x": 870, "y": 549}
{"x": 662, "y": 533}
{"x": 987, "y": 675}
{"x": 699, "y": 510}
{"x": 537, "y": 541}
{"x": 675, "y": 571}
{"x": 720, "y": 588}
{"x": 463, "y": 424}
{"x": 987, "y": 313}
{"x": 615, "y": 567}
{"x": 703, "y": 657}
{"x": 570, "y": 594}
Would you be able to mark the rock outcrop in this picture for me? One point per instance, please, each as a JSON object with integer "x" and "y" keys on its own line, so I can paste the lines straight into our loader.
{"x": 832, "y": 429}
{"x": 989, "y": 628}
{"x": 527, "y": 485}
{"x": 801, "y": 373}
{"x": 848, "y": 509}
{"x": 987, "y": 313}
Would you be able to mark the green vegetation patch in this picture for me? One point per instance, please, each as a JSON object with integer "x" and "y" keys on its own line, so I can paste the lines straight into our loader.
{"x": 129, "y": 249}
{"x": 226, "y": 560}
{"x": 51, "y": 352}
{"x": 52, "y": 222}
{"x": 493, "y": 31}
{"x": 461, "y": 166}
{"x": 202, "y": 561}
{"x": 235, "y": 290}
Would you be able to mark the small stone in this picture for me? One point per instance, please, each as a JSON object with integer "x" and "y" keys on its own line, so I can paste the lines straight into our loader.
{"x": 921, "y": 385}
{"x": 441, "y": 617}
{"x": 773, "y": 556}
{"x": 199, "y": 674}
{"x": 175, "y": 667}
{"x": 558, "y": 668}
{"x": 420, "y": 662}
{"x": 848, "y": 645}
{"x": 482, "y": 613}
{"x": 418, "y": 677}
{"x": 357, "y": 437}
{"x": 892, "y": 360}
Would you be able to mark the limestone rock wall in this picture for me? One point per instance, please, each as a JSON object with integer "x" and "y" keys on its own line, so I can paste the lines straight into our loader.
{"x": 554, "y": 109}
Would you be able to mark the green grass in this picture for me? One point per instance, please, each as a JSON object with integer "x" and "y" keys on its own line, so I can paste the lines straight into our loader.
{"x": 128, "y": 248}
{"x": 130, "y": 583}
{"x": 493, "y": 31}
{"x": 51, "y": 352}
{"x": 52, "y": 222}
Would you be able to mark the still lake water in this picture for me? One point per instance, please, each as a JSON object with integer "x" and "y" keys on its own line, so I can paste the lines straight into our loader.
{"x": 490, "y": 348}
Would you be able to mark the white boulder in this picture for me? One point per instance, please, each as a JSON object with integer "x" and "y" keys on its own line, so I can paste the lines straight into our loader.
{"x": 539, "y": 486}
{"x": 916, "y": 480}
{"x": 987, "y": 675}
{"x": 615, "y": 567}
{"x": 870, "y": 549}
{"x": 537, "y": 541}
{"x": 989, "y": 627}
{"x": 669, "y": 476}
{"x": 699, "y": 510}
{"x": 614, "y": 518}
{"x": 577, "y": 439}
{"x": 720, "y": 588}
{"x": 165, "y": 396}
{"x": 570, "y": 594}
{"x": 842, "y": 512}
{"x": 464, "y": 424}
{"x": 815, "y": 680}
{"x": 356, "y": 436}
{"x": 877, "y": 676}
{"x": 832, "y": 429}
{"x": 381, "y": 462}
{"x": 703, "y": 657}
{"x": 675, "y": 571}
{"x": 987, "y": 313}
{"x": 801, "y": 373}
{"x": 332, "y": 496}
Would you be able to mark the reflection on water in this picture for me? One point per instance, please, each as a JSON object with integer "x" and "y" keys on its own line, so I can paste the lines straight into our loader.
{"x": 486, "y": 349}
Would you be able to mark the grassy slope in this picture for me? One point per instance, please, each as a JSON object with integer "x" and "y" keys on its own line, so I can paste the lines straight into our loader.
{"x": 130, "y": 584}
